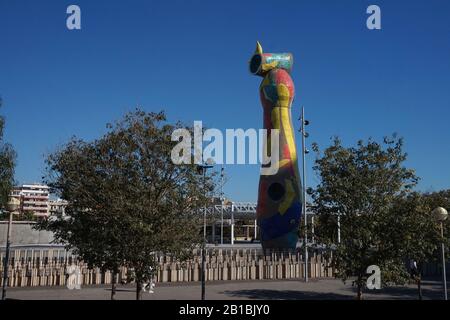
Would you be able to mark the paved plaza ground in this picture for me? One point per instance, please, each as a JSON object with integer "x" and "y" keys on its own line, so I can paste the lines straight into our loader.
{"x": 317, "y": 289}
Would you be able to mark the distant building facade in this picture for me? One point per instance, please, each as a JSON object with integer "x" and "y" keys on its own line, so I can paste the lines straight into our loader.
{"x": 34, "y": 198}
{"x": 57, "y": 207}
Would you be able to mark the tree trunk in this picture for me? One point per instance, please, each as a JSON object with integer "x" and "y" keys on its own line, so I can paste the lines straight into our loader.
{"x": 419, "y": 286}
{"x": 113, "y": 286}
{"x": 138, "y": 290}
{"x": 359, "y": 288}
{"x": 359, "y": 296}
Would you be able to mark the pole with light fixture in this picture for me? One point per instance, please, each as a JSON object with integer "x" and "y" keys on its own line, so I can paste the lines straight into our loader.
{"x": 221, "y": 204}
{"x": 202, "y": 168}
{"x": 12, "y": 206}
{"x": 304, "y": 123}
{"x": 441, "y": 215}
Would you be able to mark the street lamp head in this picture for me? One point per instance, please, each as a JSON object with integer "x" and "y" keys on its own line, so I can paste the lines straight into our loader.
{"x": 440, "y": 214}
{"x": 13, "y": 205}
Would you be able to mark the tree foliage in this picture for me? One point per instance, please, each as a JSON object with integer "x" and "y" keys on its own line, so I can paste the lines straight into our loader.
{"x": 7, "y": 165}
{"x": 362, "y": 184}
{"x": 415, "y": 233}
{"x": 127, "y": 200}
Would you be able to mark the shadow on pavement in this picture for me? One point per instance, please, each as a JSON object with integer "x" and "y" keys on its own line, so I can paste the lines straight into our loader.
{"x": 406, "y": 293}
{"x": 285, "y": 295}
{"x": 431, "y": 290}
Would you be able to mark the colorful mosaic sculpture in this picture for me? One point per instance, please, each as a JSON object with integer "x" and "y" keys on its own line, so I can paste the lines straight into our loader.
{"x": 279, "y": 197}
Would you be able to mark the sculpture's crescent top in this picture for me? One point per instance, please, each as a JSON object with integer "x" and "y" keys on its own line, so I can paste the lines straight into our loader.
{"x": 261, "y": 62}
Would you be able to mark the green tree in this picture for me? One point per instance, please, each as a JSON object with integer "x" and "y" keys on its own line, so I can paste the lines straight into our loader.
{"x": 361, "y": 184}
{"x": 27, "y": 216}
{"x": 7, "y": 165}
{"x": 127, "y": 201}
{"x": 420, "y": 237}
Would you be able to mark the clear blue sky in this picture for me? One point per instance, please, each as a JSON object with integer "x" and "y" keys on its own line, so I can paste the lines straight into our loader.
{"x": 190, "y": 58}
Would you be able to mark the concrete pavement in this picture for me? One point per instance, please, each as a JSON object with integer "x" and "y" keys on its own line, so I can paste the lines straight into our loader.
{"x": 317, "y": 289}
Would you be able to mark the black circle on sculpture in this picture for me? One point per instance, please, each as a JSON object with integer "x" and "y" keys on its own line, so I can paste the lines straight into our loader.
{"x": 276, "y": 191}
{"x": 255, "y": 63}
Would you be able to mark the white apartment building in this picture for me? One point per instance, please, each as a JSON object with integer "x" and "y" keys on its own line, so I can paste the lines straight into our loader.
{"x": 34, "y": 198}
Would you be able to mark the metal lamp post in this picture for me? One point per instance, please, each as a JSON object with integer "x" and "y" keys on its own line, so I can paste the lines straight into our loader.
{"x": 221, "y": 204}
{"x": 202, "y": 169}
{"x": 12, "y": 206}
{"x": 441, "y": 215}
{"x": 339, "y": 228}
{"x": 304, "y": 152}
